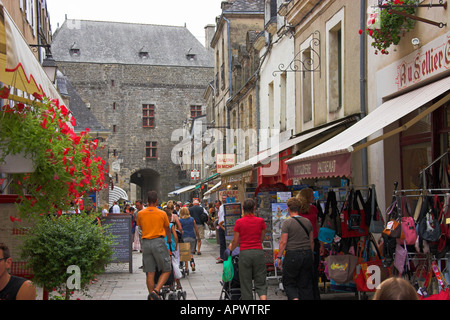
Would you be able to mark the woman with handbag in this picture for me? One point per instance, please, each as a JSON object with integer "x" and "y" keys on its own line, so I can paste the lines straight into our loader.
{"x": 298, "y": 241}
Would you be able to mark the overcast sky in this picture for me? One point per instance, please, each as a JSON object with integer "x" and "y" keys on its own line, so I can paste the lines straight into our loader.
{"x": 196, "y": 14}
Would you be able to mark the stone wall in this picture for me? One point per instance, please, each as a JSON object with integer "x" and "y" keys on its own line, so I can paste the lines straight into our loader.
{"x": 127, "y": 87}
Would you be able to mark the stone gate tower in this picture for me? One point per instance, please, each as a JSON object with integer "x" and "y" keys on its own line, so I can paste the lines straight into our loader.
{"x": 141, "y": 82}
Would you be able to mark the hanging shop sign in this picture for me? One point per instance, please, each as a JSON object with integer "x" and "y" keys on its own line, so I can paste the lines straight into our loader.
{"x": 324, "y": 167}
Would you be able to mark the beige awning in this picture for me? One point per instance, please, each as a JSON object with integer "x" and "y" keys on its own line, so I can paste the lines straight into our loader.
{"x": 347, "y": 141}
{"x": 269, "y": 154}
{"x": 19, "y": 67}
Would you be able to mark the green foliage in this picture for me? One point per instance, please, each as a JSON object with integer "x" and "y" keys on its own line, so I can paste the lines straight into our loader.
{"x": 55, "y": 243}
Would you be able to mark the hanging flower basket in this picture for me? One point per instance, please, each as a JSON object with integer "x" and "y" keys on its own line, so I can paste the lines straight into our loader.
{"x": 65, "y": 165}
{"x": 387, "y": 28}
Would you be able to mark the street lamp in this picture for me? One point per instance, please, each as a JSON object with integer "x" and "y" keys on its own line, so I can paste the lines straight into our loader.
{"x": 50, "y": 67}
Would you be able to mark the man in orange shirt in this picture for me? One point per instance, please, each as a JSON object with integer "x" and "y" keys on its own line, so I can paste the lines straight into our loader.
{"x": 155, "y": 225}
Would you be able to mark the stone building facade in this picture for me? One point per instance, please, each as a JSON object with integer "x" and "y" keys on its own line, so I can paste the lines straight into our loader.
{"x": 140, "y": 82}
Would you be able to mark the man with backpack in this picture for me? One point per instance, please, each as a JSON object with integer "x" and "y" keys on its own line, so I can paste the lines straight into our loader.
{"x": 200, "y": 216}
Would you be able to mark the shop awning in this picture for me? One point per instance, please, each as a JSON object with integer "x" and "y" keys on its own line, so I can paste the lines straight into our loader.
{"x": 267, "y": 156}
{"x": 182, "y": 190}
{"x": 18, "y": 65}
{"x": 217, "y": 186}
{"x": 214, "y": 176}
{"x": 332, "y": 158}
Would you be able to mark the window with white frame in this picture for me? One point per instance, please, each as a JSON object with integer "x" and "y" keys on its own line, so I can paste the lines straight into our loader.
{"x": 335, "y": 65}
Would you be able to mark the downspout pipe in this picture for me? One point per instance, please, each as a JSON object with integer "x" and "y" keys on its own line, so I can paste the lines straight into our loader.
{"x": 363, "y": 87}
{"x": 230, "y": 82}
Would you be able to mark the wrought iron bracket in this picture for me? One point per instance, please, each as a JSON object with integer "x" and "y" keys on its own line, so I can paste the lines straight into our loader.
{"x": 309, "y": 64}
{"x": 392, "y": 7}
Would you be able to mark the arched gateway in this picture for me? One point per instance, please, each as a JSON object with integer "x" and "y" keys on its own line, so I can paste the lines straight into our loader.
{"x": 146, "y": 180}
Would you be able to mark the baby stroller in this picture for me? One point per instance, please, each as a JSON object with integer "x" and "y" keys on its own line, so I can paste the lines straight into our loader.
{"x": 232, "y": 290}
{"x": 169, "y": 290}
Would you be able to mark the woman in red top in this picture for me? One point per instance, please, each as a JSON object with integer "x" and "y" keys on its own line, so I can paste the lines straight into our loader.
{"x": 249, "y": 232}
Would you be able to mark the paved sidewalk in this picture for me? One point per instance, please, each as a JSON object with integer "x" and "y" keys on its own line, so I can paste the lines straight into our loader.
{"x": 117, "y": 283}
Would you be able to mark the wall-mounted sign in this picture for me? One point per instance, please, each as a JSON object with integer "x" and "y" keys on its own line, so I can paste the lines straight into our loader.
{"x": 225, "y": 161}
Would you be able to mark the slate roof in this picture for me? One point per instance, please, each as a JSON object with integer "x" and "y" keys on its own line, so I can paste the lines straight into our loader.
{"x": 83, "y": 115}
{"x": 121, "y": 43}
{"x": 248, "y": 6}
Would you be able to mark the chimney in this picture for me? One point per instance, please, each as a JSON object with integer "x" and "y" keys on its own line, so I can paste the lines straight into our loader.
{"x": 210, "y": 29}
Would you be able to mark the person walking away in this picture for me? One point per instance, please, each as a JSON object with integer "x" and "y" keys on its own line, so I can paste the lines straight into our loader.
{"x": 12, "y": 287}
{"x": 195, "y": 211}
{"x": 221, "y": 231}
{"x": 155, "y": 226}
{"x": 173, "y": 248}
{"x": 249, "y": 233}
{"x": 190, "y": 233}
{"x": 297, "y": 239}
{"x": 310, "y": 211}
{"x": 175, "y": 218}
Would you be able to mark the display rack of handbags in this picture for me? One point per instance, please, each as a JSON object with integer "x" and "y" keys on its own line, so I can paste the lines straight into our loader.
{"x": 416, "y": 239}
{"x": 352, "y": 217}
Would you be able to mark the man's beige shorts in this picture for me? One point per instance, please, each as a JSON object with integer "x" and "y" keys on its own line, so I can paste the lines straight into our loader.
{"x": 201, "y": 231}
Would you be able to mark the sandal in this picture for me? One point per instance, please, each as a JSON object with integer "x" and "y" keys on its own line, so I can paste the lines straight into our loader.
{"x": 154, "y": 295}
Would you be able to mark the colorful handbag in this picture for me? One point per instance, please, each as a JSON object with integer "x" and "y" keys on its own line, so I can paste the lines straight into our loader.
{"x": 341, "y": 268}
{"x": 326, "y": 235}
{"x": 401, "y": 256}
{"x": 409, "y": 230}
{"x": 377, "y": 222}
{"x": 353, "y": 224}
{"x": 331, "y": 224}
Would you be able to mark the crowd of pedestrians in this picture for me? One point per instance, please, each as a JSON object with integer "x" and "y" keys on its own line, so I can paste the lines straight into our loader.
{"x": 158, "y": 229}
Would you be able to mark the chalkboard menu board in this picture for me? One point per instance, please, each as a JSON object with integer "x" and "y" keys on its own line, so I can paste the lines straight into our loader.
{"x": 232, "y": 212}
{"x": 119, "y": 225}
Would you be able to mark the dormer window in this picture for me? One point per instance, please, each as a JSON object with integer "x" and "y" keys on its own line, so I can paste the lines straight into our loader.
{"x": 143, "y": 53}
{"x": 75, "y": 50}
{"x": 190, "y": 55}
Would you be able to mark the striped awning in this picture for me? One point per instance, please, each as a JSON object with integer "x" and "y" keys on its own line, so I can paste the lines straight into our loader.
{"x": 117, "y": 194}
